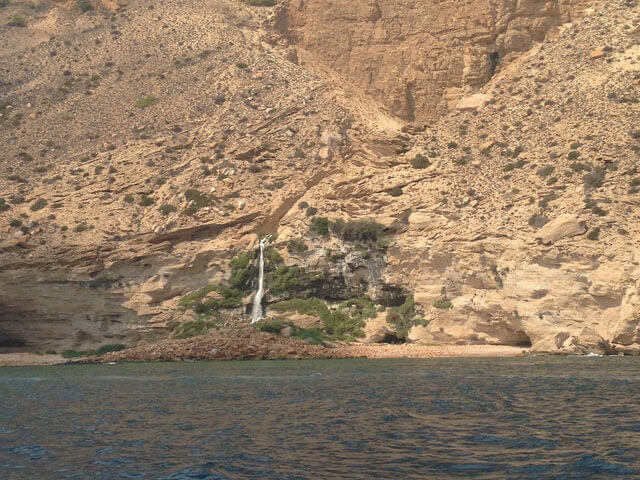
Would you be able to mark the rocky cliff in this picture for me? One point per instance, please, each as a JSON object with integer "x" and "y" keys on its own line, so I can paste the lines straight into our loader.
{"x": 145, "y": 146}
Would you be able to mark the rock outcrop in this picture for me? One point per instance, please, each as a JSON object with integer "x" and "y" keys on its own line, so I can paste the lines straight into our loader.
{"x": 137, "y": 161}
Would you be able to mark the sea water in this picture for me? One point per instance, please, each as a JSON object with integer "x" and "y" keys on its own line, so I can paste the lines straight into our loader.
{"x": 518, "y": 418}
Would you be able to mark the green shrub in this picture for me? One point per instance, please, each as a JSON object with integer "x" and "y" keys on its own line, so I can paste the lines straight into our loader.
{"x": 76, "y": 353}
{"x": 320, "y": 225}
{"x": 573, "y": 155}
{"x": 3, "y": 205}
{"x": 200, "y": 303}
{"x": 147, "y": 101}
{"x": 15, "y": 223}
{"x": 420, "y": 161}
{"x": 395, "y": 191}
{"x": 146, "y": 201}
{"x": 272, "y": 326}
{"x": 594, "y": 234}
{"x": 402, "y": 317}
{"x": 128, "y": 198}
{"x": 452, "y": 145}
{"x": 193, "y": 328}
{"x": 39, "y": 204}
{"x": 443, "y": 304}
{"x": 365, "y": 231}
{"x": 4, "y": 3}
{"x": 166, "y": 209}
{"x": 199, "y": 199}
{"x": 17, "y": 21}
{"x": 538, "y": 221}
{"x": 111, "y": 347}
{"x": 337, "y": 324}
{"x": 545, "y": 171}
{"x": 594, "y": 179}
{"x": 296, "y": 246}
{"x": 580, "y": 167}
{"x": 311, "y": 211}
{"x": 242, "y": 272}
{"x": 261, "y": 3}
{"x": 81, "y": 227}
{"x": 84, "y": 5}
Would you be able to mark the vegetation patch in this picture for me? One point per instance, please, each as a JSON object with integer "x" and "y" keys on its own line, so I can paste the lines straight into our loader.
{"x": 310, "y": 335}
{"x": 403, "y": 317}
{"x": 194, "y": 328}
{"x": 261, "y": 3}
{"x": 111, "y": 347}
{"x": 197, "y": 200}
{"x": 147, "y": 101}
{"x": 420, "y": 161}
{"x": 206, "y": 303}
{"x": 296, "y": 246}
{"x": 39, "y": 204}
{"x": 344, "y": 323}
{"x": 4, "y": 206}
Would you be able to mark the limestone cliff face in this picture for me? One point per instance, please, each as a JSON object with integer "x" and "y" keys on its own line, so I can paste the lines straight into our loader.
{"x": 419, "y": 58}
{"x": 137, "y": 161}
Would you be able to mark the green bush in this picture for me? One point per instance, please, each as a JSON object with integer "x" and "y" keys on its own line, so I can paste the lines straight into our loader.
{"x": 272, "y": 326}
{"x": 199, "y": 199}
{"x": 84, "y": 5}
{"x": 15, "y": 223}
{"x": 3, "y": 205}
{"x": 166, "y": 209}
{"x": 311, "y": 211}
{"x": 39, "y": 204}
{"x": 338, "y": 324}
{"x": 193, "y": 328}
{"x": 403, "y": 317}
{"x": 261, "y": 3}
{"x": 443, "y": 304}
{"x": 320, "y": 225}
{"x": 365, "y": 231}
{"x": 573, "y": 155}
{"x": 200, "y": 303}
{"x": 128, "y": 198}
{"x": 594, "y": 234}
{"x": 147, "y": 101}
{"x": 420, "y": 161}
{"x": 545, "y": 171}
{"x": 594, "y": 179}
{"x": 17, "y": 21}
{"x": 296, "y": 246}
{"x": 81, "y": 227}
{"x": 146, "y": 201}
{"x": 395, "y": 191}
{"x": 538, "y": 221}
{"x": 242, "y": 272}
{"x": 112, "y": 347}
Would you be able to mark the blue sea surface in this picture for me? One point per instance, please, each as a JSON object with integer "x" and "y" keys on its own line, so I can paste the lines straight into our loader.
{"x": 517, "y": 418}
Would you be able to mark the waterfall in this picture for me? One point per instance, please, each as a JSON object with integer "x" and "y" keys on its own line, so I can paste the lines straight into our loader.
{"x": 256, "y": 312}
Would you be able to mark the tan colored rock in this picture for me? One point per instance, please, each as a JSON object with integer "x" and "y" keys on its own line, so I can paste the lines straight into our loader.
{"x": 597, "y": 53}
{"x": 473, "y": 102}
{"x": 563, "y": 226}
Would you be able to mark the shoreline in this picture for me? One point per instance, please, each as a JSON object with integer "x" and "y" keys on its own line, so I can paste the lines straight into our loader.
{"x": 356, "y": 350}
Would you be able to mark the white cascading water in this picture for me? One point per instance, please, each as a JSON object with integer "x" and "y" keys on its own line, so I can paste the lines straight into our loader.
{"x": 256, "y": 312}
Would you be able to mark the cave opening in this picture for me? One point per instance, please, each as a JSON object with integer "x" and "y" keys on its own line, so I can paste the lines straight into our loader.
{"x": 494, "y": 58}
{"x": 523, "y": 340}
{"x": 393, "y": 339}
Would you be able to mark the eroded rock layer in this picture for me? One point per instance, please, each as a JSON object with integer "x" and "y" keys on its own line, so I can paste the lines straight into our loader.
{"x": 144, "y": 146}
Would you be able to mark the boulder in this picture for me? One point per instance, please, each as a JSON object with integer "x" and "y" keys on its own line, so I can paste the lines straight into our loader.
{"x": 566, "y": 225}
{"x": 473, "y": 102}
